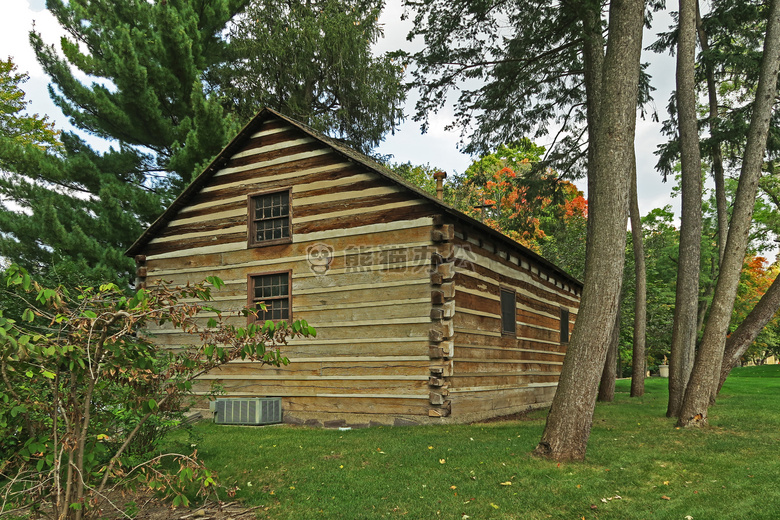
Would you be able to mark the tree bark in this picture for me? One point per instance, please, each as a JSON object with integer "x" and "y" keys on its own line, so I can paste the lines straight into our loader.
{"x": 706, "y": 370}
{"x": 570, "y": 419}
{"x": 741, "y": 339}
{"x": 686, "y": 306}
{"x": 609, "y": 374}
{"x": 639, "y": 352}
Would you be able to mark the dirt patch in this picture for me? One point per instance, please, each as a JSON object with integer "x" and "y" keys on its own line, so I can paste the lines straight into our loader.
{"x": 143, "y": 505}
{"x": 527, "y": 415}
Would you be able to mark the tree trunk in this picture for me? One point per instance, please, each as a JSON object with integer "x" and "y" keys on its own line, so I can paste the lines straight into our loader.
{"x": 638, "y": 367}
{"x": 609, "y": 374}
{"x": 687, "y": 297}
{"x": 706, "y": 370}
{"x": 741, "y": 339}
{"x": 715, "y": 153}
{"x": 570, "y": 419}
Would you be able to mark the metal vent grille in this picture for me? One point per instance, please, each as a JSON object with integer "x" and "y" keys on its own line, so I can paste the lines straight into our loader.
{"x": 255, "y": 410}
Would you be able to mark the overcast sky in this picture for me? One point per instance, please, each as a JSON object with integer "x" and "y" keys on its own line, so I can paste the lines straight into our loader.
{"x": 437, "y": 147}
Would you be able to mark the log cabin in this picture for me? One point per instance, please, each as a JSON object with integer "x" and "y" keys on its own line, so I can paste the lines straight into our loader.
{"x": 423, "y": 314}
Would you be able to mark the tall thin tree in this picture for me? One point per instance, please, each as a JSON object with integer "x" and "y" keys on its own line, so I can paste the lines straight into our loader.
{"x": 687, "y": 298}
{"x": 706, "y": 370}
{"x": 569, "y": 423}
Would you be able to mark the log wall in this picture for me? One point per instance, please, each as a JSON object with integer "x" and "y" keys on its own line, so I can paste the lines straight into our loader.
{"x": 497, "y": 374}
{"x": 407, "y": 313}
{"x": 371, "y": 309}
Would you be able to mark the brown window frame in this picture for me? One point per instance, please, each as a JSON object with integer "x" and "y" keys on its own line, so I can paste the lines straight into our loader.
{"x": 252, "y": 221}
{"x": 565, "y": 317}
{"x": 252, "y": 302}
{"x": 513, "y": 292}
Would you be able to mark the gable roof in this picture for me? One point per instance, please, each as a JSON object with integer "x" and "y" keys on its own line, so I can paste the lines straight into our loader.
{"x": 348, "y": 153}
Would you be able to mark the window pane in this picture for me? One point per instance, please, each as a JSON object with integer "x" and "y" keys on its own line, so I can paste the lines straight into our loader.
{"x": 508, "y": 312}
{"x": 564, "y": 325}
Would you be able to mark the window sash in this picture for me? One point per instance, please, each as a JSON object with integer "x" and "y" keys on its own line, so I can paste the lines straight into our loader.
{"x": 272, "y": 289}
{"x": 269, "y": 218}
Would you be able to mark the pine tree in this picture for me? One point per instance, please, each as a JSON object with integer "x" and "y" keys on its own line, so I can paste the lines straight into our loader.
{"x": 154, "y": 94}
{"x": 78, "y": 210}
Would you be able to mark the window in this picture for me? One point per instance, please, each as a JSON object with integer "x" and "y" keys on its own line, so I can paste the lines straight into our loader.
{"x": 273, "y": 289}
{"x": 564, "y": 325}
{"x": 269, "y": 218}
{"x": 508, "y": 312}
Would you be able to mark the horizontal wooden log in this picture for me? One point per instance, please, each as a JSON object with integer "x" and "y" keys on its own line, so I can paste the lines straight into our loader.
{"x": 445, "y": 349}
{"x": 436, "y": 381}
{"x": 446, "y": 251}
{"x": 321, "y": 167}
{"x": 436, "y": 279}
{"x": 314, "y": 388}
{"x": 448, "y": 289}
{"x": 448, "y": 309}
{"x": 477, "y": 353}
{"x": 436, "y": 398}
{"x": 273, "y": 155}
{"x": 439, "y": 220}
{"x": 441, "y": 411}
{"x": 446, "y": 270}
{"x": 377, "y": 216}
{"x": 445, "y": 329}
{"x": 140, "y": 259}
{"x": 476, "y": 382}
{"x": 437, "y": 297}
{"x": 437, "y": 313}
{"x": 140, "y": 272}
{"x": 363, "y": 405}
{"x": 444, "y": 233}
{"x": 442, "y": 368}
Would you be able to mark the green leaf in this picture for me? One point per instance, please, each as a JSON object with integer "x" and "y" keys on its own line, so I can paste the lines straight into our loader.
{"x": 48, "y": 375}
{"x": 216, "y": 281}
{"x": 28, "y": 315}
{"x": 89, "y": 314}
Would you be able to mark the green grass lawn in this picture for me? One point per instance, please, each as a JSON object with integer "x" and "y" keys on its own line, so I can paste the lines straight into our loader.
{"x": 638, "y": 464}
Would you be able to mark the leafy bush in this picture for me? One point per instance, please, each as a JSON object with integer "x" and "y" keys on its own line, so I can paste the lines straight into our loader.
{"x": 84, "y": 391}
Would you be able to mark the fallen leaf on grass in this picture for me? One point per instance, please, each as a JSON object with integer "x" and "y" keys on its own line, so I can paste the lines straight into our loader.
{"x": 442, "y": 461}
{"x": 665, "y": 497}
{"x": 507, "y": 483}
{"x": 453, "y": 487}
{"x": 494, "y": 506}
